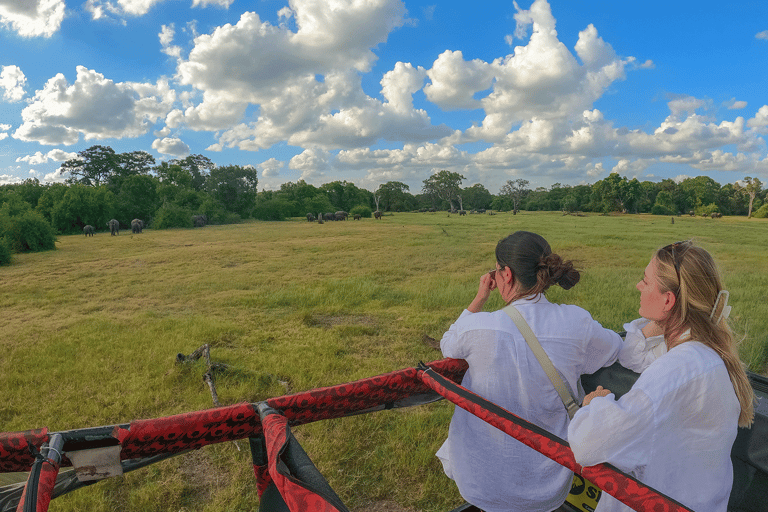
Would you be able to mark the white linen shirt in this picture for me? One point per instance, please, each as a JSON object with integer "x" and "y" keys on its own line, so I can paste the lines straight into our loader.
{"x": 493, "y": 470}
{"x": 673, "y": 430}
{"x": 638, "y": 352}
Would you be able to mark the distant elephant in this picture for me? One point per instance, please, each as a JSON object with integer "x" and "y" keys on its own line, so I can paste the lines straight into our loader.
{"x": 310, "y": 217}
{"x": 88, "y": 230}
{"x": 329, "y": 216}
{"x": 137, "y": 225}
{"x": 199, "y": 221}
{"x": 114, "y": 227}
{"x": 341, "y": 215}
{"x": 377, "y": 214}
{"x": 462, "y": 212}
{"x": 357, "y": 216}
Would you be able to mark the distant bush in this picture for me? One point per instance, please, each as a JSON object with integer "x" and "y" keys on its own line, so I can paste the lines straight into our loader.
{"x": 660, "y": 209}
{"x": 5, "y": 252}
{"x": 706, "y": 210}
{"x": 172, "y": 216}
{"x": 762, "y": 212}
{"x": 275, "y": 208}
{"x": 361, "y": 210}
{"x": 28, "y": 232}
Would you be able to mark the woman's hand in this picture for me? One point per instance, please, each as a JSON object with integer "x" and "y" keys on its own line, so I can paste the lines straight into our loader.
{"x": 487, "y": 285}
{"x": 600, "y": 391}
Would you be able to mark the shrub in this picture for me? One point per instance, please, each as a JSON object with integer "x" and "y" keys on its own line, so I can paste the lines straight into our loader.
{"x": 762, "y": 212}
{"x": 276, "y": 208}
{"x": 5, "y": 252}
{"x": 362, "y": 210}
{"x": 172, "y": 216}
{"x": 660, "y": 209}
{"x": 28, "y": 232}
{"x": 706, "y": 210}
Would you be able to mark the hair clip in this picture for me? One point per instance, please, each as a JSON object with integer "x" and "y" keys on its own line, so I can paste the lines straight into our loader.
{"x": 726, "y": 308}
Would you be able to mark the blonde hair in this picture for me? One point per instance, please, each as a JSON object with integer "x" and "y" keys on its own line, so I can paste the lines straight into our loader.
{"x": 690, "y": 273}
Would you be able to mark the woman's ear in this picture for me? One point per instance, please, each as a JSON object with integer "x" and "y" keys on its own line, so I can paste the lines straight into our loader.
{"x": 669, "y": 301}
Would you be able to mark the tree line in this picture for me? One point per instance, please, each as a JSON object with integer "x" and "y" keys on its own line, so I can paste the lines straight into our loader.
{"x": 103, "y": 185}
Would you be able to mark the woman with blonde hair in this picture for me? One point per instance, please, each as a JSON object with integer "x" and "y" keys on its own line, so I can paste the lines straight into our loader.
{"x": 675, "y": 428}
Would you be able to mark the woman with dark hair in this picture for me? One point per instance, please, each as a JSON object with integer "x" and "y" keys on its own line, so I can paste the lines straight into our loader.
{"x": 675, "y": 428}
{"x": 492, "y": 470}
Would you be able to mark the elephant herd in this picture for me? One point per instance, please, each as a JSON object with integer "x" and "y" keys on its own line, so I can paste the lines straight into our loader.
{"x": 340, "y": 215}
{"x": 137, "y": 226}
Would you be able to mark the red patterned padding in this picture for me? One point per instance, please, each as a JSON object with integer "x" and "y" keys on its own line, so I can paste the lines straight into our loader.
{"x": 626, "y": 489}
{"x": 343, "y": 399}
{"x": 14, "y": 449}
{"x": 297, "y": 497}
{"x": 187, "y": 431}
{"x": 172, "y": 434}
{"x": 49, "y": 470}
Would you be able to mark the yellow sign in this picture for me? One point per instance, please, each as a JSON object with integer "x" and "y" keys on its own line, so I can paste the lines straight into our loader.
{"x": 583, "y": 494}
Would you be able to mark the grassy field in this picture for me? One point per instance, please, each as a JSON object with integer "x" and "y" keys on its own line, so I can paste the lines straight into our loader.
{"x": 89, "y": 333}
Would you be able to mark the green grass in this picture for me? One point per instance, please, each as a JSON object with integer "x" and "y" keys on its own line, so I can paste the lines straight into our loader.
{"x": 89, "y": 333}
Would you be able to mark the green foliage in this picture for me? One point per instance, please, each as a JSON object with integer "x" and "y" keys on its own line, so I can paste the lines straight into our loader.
{"x": 705, "y": 210}
{"x": 137, "y": 198}
{"x": 172, "y": 216}
{"x": 394, "y": 196}
{"x": 234, "y": 187}
{"x": 26, "y": 231}
{"x": 762, "y": 212}
{"x": 93, "y": 166}
{"x": 83, "y": 205}
{"x": 5, "y": 252}
{"x": 361, "y": 210}
{"x": 274, "y": 208}
{"x": 660, "y": 209}
{"x": 345, "y": 195}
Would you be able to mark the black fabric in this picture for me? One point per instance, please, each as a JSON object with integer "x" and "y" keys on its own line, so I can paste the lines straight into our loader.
{"x": 750, "y": 450}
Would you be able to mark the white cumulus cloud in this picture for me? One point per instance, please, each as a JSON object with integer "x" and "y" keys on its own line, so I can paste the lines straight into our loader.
{"x": 55, "y": 155}
{"x": 12, "y": 81}
{"x": 171, "y": 146}
{"x": 32, "y": 18}
{"x": 93, "y": 106}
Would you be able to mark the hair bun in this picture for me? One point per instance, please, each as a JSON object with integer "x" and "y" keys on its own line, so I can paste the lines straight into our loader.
{"x": 558, "y": 271}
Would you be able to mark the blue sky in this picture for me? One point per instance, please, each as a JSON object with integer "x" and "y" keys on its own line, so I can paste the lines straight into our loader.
{"x": 371, "y": 91}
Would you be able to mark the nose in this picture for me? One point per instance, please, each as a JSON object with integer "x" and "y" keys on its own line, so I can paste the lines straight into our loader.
{"x": 638, "y": 286}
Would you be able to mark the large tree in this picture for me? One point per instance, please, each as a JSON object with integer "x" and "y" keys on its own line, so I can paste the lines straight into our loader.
{"x": 752, "y": 187}
{"x": 443, "y": 185}
{"x": 92, "y": 166}
{"x": 515, "y": 190}
{"x": 477, "y": 196}
{"x": 199, "y": 168}
{"x": 234, "y": 186}
{"x": 395, "y": 196}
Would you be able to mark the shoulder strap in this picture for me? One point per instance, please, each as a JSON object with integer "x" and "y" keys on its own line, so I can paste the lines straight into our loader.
{"x": 565, "y": 394}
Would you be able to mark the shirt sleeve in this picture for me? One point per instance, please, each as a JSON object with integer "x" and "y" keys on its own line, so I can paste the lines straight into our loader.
{"x": 638, "y": 352}
{"x": 450, "y": 344}
{"x": 602, "y": 347}
{"x": 618, "y": 432}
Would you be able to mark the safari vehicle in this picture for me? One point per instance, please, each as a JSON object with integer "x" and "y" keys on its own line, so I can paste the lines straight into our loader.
{"x": 48, "y": 464}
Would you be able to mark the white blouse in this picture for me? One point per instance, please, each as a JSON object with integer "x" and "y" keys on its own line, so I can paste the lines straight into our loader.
{"x": 637, "y": 351}
{"x": 673, "y": 430}
{"x": 493, "y": 470}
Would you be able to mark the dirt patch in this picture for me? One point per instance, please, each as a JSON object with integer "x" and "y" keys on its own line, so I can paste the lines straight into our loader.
{"x": 201, "y": 475}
